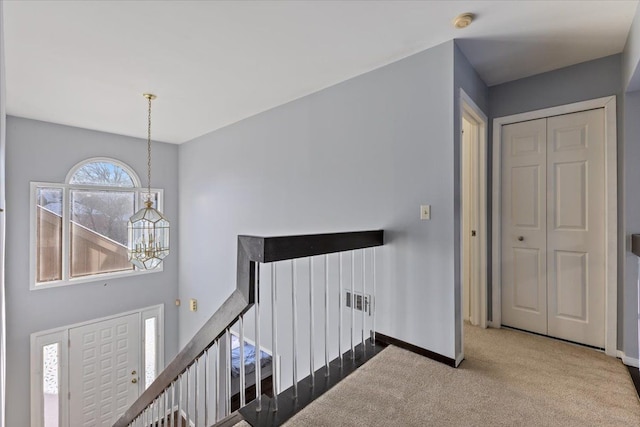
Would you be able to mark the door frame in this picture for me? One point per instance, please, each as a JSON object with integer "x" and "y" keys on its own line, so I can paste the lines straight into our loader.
{"x": 60, "y": 336}
{"x": 611, "y": 208}
{"x": 469, "y": 109}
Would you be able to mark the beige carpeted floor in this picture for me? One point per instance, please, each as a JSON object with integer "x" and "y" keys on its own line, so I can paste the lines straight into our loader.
{"x": 509, "y": 378}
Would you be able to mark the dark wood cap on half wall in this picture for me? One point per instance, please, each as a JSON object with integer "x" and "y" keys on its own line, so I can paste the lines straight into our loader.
{"x": 635, "y": 244}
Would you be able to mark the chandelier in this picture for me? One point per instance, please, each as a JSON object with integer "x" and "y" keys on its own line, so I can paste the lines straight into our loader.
{"x": 148, "y": 229}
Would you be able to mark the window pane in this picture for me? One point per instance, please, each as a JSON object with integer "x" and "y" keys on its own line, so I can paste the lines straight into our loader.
{"x": 48, "y": 234}
{"x": 102, "y": 173}
{"x": 50, "y": 384}
{"x": 99, "y": 231}
{"x": 149, "y": 351}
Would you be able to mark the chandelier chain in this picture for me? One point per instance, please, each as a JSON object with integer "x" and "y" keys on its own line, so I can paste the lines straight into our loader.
{"x": 149, "y": 151}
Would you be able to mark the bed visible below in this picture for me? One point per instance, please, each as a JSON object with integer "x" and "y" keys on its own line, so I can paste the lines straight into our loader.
{"x": 249, "y": 369}
{"x": 249, "y": 357}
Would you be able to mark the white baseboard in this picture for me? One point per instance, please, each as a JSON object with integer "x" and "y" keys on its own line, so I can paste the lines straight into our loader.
{"x": 629, "y": 361}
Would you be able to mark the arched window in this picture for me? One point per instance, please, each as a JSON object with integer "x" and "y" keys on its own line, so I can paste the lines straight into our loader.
{"x": 103, "y": 172}
{"x": 80, "y": 231}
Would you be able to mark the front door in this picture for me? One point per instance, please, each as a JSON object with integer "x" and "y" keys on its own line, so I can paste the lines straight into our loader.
{"x": 553, "y": 258}
{"x": 104, "y": 366}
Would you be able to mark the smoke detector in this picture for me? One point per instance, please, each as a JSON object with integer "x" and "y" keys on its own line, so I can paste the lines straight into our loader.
{"x": 463, "y": 20}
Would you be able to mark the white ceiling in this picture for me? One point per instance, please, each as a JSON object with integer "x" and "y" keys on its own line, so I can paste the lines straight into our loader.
{"x": 86, "y": 63}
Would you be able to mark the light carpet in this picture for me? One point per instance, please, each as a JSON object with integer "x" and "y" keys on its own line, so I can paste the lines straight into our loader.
{"x": 509, "y": 378}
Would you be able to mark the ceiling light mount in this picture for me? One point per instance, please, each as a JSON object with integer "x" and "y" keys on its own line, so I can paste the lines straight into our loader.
{"x": 463, "y": 20}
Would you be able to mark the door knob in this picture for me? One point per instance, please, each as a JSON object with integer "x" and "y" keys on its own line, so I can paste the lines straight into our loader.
{"x": 134, "y": 380}
{"x": 520, "y": 238}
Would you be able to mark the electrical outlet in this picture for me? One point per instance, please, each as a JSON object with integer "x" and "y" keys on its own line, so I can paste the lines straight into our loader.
{"x": 358, "y": 300}
{"x": 193, "y": 304}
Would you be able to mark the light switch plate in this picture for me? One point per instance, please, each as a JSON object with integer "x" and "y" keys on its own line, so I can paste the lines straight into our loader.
{"x": 425, "y": 212}
{"x": 193, "y": 304}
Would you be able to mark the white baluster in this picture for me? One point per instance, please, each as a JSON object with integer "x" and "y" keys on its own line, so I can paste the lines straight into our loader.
{"x": 206, "y": 387}
{"x": 274, "y": 337}
{"x": 167, "y": 409}
{"x": 196, "y": 398}
{"x": 353, "y": 302}
{"x": 340, "y": 291}
{"x": 187, "y": 410}
{"x": 227, "y": 372}
{"x": 373, "y": 301}
{"x": 311, "y": 326}
{"x": 216, "y": 397}
{"x": 180, "y": 392}
{"x": 294, "y": 328}
{"x": 258, "y": 362}
{"x": 173, "y": 402}
{"x": 163, "y": 407}
{"x": 242, "y": 371}
{"x": 364, "y": 295}
{"x": 326, "y": 314}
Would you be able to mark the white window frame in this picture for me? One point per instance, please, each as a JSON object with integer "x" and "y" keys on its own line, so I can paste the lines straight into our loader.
{"x": 66, "y": 189}
{"x": 60, "y": 336}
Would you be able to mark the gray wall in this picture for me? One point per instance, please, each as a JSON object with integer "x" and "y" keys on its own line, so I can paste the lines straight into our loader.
{"x": 631, "y": 195}
{"x": 363, "y": 154}
{"x": 39, "y": 151}
{"x": 3, "y": 128}
{"x": 465, "y": 78}
{"x": 589, "y": 80}
{"x": 631, "y": 56}
{"x": 631, "y": 82}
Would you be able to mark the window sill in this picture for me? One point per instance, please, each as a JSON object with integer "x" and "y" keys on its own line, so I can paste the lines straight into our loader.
{"x": 94, "y": 278}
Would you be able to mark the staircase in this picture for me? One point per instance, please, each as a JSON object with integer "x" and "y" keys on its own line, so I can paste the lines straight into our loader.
{"x": 299, "y": 300}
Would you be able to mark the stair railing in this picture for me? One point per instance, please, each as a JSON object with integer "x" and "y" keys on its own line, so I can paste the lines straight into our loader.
{"x": 202, "y": 385}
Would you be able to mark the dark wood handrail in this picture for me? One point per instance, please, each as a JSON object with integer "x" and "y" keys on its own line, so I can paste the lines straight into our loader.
{"x": 251, "y": 250}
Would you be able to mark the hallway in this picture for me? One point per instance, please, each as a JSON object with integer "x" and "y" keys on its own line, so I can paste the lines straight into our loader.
{"x": 508, "y": 378}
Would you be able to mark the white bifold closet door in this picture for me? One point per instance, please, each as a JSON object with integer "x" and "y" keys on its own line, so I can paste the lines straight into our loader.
{"x": 553, "y": 259}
